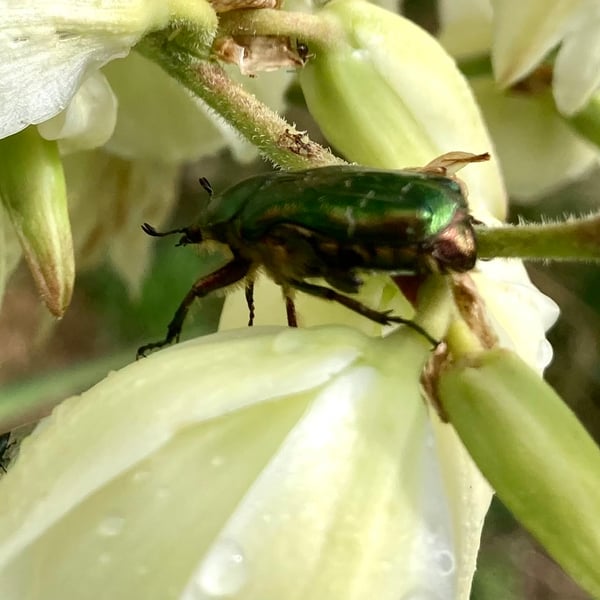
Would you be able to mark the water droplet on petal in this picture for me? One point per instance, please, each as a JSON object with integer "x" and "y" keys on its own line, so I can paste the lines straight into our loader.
{"x": 223, "y": 573}
{"x": 445, "y": 562}
{"x": 140, "y": 476}
{"x": 216, "y": 461}
{"x": 111, "y": 526}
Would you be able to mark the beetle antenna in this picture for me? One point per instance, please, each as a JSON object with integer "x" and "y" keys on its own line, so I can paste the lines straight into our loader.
{"x": 191, "y": 235}
{"x": 206, "y": 185}
{"x": 150, "y": 230}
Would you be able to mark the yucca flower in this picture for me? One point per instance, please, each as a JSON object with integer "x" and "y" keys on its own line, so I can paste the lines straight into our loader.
{"x": 538, "y": 149}
{"x": 273, "y": 463}
{"x": 123, "y": 128}
{"x": 525, "y": 33}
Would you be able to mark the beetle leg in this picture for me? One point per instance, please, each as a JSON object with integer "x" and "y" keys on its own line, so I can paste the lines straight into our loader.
{"x": 381, "y": 317}
{"x": 231, "y": 273}
{"x": 250, "y": 302}
{"x": 290, "y": 310}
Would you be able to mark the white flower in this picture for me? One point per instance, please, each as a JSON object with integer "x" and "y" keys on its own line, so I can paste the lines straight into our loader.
{"x": 525, "y": 32}
{"x": 124, "y": 131}
{"x": 538, "y": 150}
{"x": 262, "y": 464}
{"x": 49, "y": 48}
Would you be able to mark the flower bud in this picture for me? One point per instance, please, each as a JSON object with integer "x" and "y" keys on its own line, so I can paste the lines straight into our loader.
{"x": 386, "y": 94}
{"x": 32, "y": 189}
{"x": 535, "y": 453}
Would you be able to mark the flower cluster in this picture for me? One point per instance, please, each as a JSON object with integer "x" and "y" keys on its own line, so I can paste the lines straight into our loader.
{"x": 277, "y": 463}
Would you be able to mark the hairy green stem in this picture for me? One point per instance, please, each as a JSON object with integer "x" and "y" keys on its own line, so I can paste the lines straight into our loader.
{"x": 318, "y": 32}
{"x": 276, "y": 139}
{"x": 573, "y": 240}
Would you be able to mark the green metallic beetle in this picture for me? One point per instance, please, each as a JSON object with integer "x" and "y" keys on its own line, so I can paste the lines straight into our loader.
{"x": 332, "y": 223}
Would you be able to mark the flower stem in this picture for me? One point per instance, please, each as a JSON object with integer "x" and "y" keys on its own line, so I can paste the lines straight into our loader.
{"x": 276, "y": 139}
{"x": 574, "y": 240}
{"x": 315, "y": 31}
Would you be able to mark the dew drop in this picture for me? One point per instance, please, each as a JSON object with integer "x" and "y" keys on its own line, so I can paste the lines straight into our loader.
{"x": 140, "y": 476}
{"x": 445, "y": 562}
{"x": 222, "y": 574}
{"x": 216, "y": 461}
{"x": 360, "y": 54}
{"x": 111, "y": 526}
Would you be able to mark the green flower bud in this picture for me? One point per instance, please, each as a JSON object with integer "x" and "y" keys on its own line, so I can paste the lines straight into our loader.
{"x": 32, "y": 189}
{"x": 386, "y": 94}
{"x": 535, "y": 453}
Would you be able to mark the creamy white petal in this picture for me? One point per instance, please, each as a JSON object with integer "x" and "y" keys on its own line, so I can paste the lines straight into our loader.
{"x": 537, "y": 150}
{"x": 175, "y": 469}
{"x": 465, "y": 26}
{"x": 341, "y": 460}
{"x": 157, "y": 118}
{"x": 129, "y": 426}
{"x": 521, "y": 313}
{"x": 48, "y": 49}
{"x": 88, "y": 121}
{"x": 524, "y": 32}
{"x": 109, "y": 199}
{"x": 577, "y": 66}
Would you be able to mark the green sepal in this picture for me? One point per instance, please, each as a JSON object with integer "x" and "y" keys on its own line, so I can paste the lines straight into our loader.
{"x": 539, "y": 458}
{"x": 33, "y": 192}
